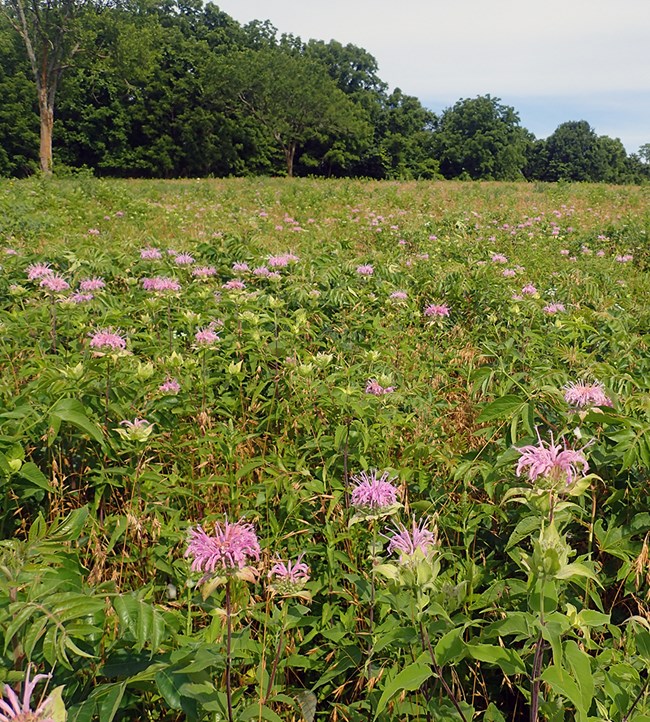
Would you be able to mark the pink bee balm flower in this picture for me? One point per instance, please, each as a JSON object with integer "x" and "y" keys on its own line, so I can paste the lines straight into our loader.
{"x": 92, "y": 284}
{"x": 399, "y": 295}
{"x": 161, "y": 284}
{"x": 170, "y": 386}
{"x": 373, "y": 492}
{"x": 554, "y": 308}
{"x": 240, "y": 267}
{"x": 409, "y": 542}
{"x": 529, "y": 290}
{"x": 184, "y": 259}
{"x": 499, "y": 258}
{"x": 231, "y": 547}
{"x": 376, "y": 389}
{"x": 290, "y": 577}
{"x": 204, "y": 271}
{"x": 261, "y": 271}
{"x": 234, "y": 284}
{"x": 365, "y": 270}
{"x": 565, "y": 252}
{"x": 54, "y": 283}
{"x": 150, "y": 254}
{"x": 206, "y": 337}
{"x": 583, "y": 395}
{"x": 508, "y": 272}
{"x": 106, "y": 341}
{"x": 278, "y": 261}
{"x": 13, "y": 708}
{"x": 38, "y": 270}
{"x": 93, "y": 231}
{"x": 552, "y": 462}
{"x": 437, "y": 310}
{"x": 80, "y": 297}
{"x": 625, "y": 258}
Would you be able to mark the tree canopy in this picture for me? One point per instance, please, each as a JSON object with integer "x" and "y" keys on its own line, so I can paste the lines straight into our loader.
{"x": 165, "y": 88}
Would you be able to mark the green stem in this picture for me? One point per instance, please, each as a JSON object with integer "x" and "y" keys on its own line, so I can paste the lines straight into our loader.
{"x": 228, "y": 650}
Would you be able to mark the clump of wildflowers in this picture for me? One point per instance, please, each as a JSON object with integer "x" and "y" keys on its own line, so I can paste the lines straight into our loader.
{"x": 206, "y": 337}
{"x": 374, "y": 388}
{"x": 150, "y": 254}
{"x": 138, "y": 430}
{"x": 552, "y": 465}
{"x": 437, "y": 310}
{"x": 107, "y": 341}
{"x": 553, "y": 308}
{"x": 582, "y": 395}
{"x": 414, "y": 544}
{"x": 183, "y": 259}
{"x": 204, "y": 271}
{"x": 229, "y": 549}
{"x": 92, "y": 284}
{"x": 161, "y": 284}
{"x": 55, "y": 283}
{"x": 365, "y": 270}
{"x": 38, "y": 270}
{"x": 170, "y": 386}
{"x": 289, "y": 579}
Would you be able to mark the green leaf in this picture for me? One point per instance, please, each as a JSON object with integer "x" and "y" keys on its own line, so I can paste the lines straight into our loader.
{"x": 509, "y": 661}
{"x": 110, "y": 703}
{"x": 410, "y": 678}
{"x": 576, "y": 570}
{"x": 580, "y": 663}
{"x": 256, "y": 711}
{"x": 500, "y": 408}
{"x": 53, "y": 708}
{"x": 561, "y": 683}
{"x": 73, "y": 412}
{"x": 450, "y": 647}
{"x": 35, "y": 476}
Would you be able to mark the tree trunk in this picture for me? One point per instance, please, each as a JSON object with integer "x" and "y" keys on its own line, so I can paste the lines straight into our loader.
{"x": 46, "y": 112}
{"x": 289, "y": 154}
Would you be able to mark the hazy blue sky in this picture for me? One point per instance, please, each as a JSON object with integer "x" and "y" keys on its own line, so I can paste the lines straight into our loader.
{"x": 553, "y": 60}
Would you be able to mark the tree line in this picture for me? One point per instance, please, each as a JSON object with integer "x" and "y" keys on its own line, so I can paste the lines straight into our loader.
{"x": 178, "y": 88}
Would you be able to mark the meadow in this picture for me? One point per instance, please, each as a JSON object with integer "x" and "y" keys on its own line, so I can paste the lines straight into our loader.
{"x": 285, "y": 450}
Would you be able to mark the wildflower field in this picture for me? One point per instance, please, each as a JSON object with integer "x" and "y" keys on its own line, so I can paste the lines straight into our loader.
{"x": 292, "y": 450}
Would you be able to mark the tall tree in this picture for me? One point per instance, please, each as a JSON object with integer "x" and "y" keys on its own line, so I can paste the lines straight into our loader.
{"x": 290, "y": 96}
{"x": 51, "y": 32}
{"x": 574, "y": 152}
{"x": 480, "y": 138}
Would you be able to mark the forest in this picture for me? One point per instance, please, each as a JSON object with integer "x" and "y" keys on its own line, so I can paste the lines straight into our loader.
{"x": 162, "y": 89}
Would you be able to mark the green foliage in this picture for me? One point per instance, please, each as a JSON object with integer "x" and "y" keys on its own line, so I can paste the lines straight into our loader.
{"x": 532, "y": 594}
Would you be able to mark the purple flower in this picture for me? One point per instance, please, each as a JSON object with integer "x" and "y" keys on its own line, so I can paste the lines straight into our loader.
{"x": 13, "y": 708}
{"x": 170, "y": 386}
{"x": 624, "y": 259}
{"x": 38, "y": 270}
{"x": 529, "y": 290}
{"x": 399, "y": 295}
{"x": 554, "y": 308}
{"x": 583, "y": 395}
{"x": 240, "y": 267}
{"x": 235, "y": 284}
{"x": 184, "y": 259}
{"x": 261, "y": 271}
{"x": 231, "y": 547}
{"x": 551, "y": 462}
{"x": 365, "y": 270}
{"x": 278, "y": 261}
{"x": 206, "y": 337}
{"x": 373, "y": 492}
{"x": 290, "y": 577}
{"x": 499, "y": 258}
{"x": 92, "y": 284}
{"x": 376, "y": 389}
{"x": 105, "y": 341}
{"x": 204, "y": 271}
{"x": 565, "y": 252}
{"x": 409, "y": 542}
{"x": 508, "y": 272}
{"x": 54, "y": 283}
{"x": 150, "y": 254}
{"x": 439, "y": 311}
{"x": 161, "y": 284}
{"x": 80, "y": 297}
{"x": 93, "y": 231}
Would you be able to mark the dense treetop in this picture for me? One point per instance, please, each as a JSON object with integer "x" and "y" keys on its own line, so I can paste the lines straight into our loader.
{"x": 153, "y": 88}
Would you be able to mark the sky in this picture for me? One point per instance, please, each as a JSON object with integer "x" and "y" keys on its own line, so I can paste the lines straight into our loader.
{"x": 552, "y": 60}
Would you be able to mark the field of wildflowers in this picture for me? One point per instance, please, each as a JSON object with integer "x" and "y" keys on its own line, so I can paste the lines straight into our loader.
{"x": 303, "y": 450}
